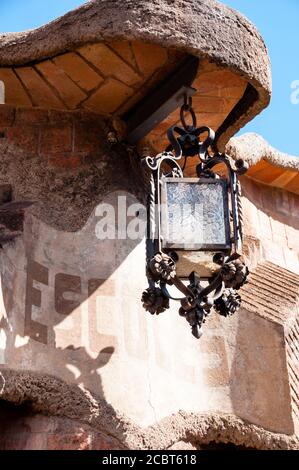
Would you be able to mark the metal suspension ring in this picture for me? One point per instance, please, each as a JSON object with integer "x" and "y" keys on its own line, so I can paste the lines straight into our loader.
{"x": 187, "y": 108}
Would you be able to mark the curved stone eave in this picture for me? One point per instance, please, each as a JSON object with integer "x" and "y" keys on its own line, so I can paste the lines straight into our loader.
{"x": 204, "y": 28}
{"x": 52, "y": 396}
{"x": 267, "y": 165}
{"x": 253, "y": 148}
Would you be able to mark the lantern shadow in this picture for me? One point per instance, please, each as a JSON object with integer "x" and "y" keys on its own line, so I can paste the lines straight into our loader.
{"x": 58, "y": 313}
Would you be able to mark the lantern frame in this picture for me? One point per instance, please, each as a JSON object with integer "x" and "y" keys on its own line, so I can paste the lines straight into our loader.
{"x": 221, "y": 292}
{"x": 196, "y": 246}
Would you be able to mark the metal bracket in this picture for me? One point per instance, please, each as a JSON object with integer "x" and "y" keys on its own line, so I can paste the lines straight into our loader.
{"x": 156, "y": 106}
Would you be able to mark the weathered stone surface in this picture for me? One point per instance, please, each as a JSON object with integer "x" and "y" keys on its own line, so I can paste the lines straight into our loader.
{"x": 66, "y": 159}
{"x": 23, "y": 430}
{"x": 78, "y": 314}
{"x": 267, "y": 164}
{"x": 253, "y": 148}
{"x": 94, "y": 421}
{"x": 75, "y": 343}
{"x": 234, "y": 43}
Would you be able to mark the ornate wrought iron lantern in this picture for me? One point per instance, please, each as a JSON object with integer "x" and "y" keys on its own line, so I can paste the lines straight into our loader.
{"x": 195, "y": 227}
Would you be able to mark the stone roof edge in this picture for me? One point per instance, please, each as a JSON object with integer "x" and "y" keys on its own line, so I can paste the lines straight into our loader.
{"x": 253, "y": 148}
{"x": 204, "y": 28}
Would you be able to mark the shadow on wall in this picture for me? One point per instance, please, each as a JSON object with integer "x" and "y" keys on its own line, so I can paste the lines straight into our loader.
{"x": 62, "y": 293}
{"x": 74, "y": 280}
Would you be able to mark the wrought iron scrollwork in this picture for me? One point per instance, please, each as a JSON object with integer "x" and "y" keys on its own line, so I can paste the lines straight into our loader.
{"x": 221, "y": 292}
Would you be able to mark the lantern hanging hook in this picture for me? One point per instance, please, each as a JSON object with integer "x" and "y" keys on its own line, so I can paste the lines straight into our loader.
{"x": 187, "y": 108}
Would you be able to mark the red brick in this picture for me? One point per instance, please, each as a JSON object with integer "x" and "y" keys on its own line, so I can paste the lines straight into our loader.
{"x": 87, "y": 137}
{"x": 31, "y": 116}
{"x": 252, "y": 191}
{"x": 67, "y": 426}
{"x": 59, "y": 117}
{"x": 102, "y": 442}
{"x": 89, "y": 158}
{"x": 282, "y": 204}
{"x": 23, "y": 441}
{"x": 36, "y": 441}
{"x": 294, "y": 205}
{"x": 11, "y": 424}
{"x": 39, "y": 423}
{"x": 7, "y": 115}
{"x": 55, "y": 139}
{"x": 13, "y": 441}
{"x": 268, "y": 200}
{"x": 89, "y": 116}
{"x": 67, "y": 161}
{"x": 74, "y": 441}
{"x": 26, "y": 138}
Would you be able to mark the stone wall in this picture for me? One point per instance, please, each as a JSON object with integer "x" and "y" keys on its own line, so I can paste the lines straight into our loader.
{"x": 272, "y": 218}
{"x": 75, "y": 341}
{"x": 61, "y": 139}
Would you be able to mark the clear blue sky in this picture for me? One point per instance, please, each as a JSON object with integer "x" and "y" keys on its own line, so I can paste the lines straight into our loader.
{"x": 278, "y": 22}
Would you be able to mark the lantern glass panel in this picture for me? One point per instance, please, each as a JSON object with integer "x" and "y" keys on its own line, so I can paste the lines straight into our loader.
{"x": 194, "y": 214}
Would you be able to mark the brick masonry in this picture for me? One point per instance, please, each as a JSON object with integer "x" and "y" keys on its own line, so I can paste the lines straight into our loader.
{"x": 22, "y": 430}
{"x": 110, "y": 79}
{"x": 61, "y": 139}
{"x": 62, "y": 161}
{"x": 272, "y": 217}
